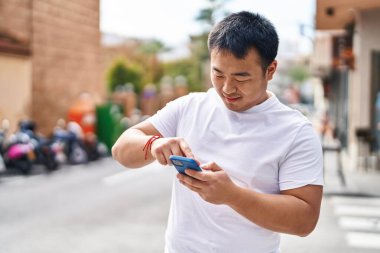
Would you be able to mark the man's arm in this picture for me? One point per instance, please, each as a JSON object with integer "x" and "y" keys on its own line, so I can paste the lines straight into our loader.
{"x": 128, "y": 149}
{"x": 293, "y": 211}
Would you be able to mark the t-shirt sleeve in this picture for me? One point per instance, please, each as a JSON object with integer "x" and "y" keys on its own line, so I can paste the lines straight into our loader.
{"x": 303, "y": 164}
{"x": 167, "y": 119}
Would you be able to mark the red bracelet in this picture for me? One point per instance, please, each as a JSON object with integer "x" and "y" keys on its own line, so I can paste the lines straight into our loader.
{"x": 148, "y": 145}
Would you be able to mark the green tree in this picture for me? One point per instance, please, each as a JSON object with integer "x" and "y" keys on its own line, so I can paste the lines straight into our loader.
{"x": 149, "y": 51}
{"x": 193, "y": 67}
{"x": 299, "y": 73}
{"x": 212, "y": 12}
{"x": 120, "y": 74}
{"x": 198, "y": 46}
{"x": 187, "y": 68}
{"x": 153, "y": 47}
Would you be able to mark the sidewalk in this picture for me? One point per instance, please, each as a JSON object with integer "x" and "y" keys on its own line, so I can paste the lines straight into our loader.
{"x": 357, "y": 183}
{"x": 349, "y": 213}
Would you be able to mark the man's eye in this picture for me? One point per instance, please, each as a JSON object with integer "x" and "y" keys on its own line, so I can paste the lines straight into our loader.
{"x": 242, "y": 80}
{"x": 219, "y": 76}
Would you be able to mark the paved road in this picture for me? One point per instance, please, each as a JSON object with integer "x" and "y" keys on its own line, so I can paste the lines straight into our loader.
{"x": 101, "y": 208}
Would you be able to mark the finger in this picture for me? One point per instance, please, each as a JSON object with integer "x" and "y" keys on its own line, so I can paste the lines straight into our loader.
{"x": 161, "y": 159}
{"x": 176, "y": 150}
{"x": 191, "y": 181}
{"x": 201, "y": 176}
{"x": 206, "y": 166}
{"x": 185, "y": 149}
{"x": 198, "y": 162}
{"x": 212, "y": 166}
{"x": 167, "y": 153}
{"x": 195, "y": 189}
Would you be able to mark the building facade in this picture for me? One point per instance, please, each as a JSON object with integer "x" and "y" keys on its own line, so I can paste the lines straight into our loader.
{"x": 347, "y": 59}
{"x": 58, "y": 57}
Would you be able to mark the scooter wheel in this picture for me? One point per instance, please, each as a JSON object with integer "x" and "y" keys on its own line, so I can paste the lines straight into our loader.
{"x": 25, "y": 167}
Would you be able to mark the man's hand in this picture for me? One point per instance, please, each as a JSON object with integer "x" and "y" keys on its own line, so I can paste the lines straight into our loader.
{"x": 294, "y": 211}
{"x": 212, "y": 184}
{"x": 162, "y": 148}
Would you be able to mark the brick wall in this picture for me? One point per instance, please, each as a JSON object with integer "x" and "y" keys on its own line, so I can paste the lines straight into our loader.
{"x": 66, "y": 57}
{"x": 16, "y": 19}
{"x": 64, "y": 40}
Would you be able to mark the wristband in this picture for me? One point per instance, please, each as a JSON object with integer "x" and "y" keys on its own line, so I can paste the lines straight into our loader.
{"x": 148, "y": 145}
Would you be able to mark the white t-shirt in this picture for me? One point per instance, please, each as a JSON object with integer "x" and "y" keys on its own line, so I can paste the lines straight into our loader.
{"x": 267, "y": 148}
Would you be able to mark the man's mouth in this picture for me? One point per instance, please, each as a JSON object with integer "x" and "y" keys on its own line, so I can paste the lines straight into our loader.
{"x": 231, "y": 99}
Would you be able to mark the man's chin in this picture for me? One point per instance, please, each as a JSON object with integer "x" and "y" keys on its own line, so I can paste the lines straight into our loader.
{"x": 233, "y": 107}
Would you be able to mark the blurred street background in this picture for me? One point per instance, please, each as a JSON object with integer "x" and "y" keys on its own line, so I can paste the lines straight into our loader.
{"x": 75, "y": 74}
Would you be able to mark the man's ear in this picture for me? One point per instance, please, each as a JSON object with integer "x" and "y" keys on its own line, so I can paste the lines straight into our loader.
{"x": 270, "y": 70}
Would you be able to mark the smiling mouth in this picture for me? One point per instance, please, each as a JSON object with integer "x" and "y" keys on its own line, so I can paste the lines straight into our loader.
{"x": 231, "y": 99}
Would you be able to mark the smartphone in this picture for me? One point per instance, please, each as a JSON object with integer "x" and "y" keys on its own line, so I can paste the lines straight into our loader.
{"x": 181, "y": 163}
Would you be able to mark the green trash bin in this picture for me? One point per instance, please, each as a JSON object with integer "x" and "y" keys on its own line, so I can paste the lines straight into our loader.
{"x": 108, "y": 126}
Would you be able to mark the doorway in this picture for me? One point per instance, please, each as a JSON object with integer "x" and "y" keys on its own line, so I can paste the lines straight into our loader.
{"x": 375, "y": 99}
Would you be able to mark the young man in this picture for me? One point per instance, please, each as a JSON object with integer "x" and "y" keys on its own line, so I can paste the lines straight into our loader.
{"x": 262, "y": 161}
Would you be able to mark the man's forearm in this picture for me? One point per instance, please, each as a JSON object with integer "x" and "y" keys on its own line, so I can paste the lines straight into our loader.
{"x": 276, "y": 212}
{"x": 128, "y": 149}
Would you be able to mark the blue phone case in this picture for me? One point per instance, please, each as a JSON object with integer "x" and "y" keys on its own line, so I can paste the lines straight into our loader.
{"x": 181, "y": 163}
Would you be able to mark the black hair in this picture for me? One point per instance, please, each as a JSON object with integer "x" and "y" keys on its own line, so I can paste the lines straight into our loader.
{"x": 242, "y": 31}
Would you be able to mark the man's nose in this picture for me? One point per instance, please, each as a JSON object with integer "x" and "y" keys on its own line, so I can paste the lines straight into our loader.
{"x": 229, "y": 87}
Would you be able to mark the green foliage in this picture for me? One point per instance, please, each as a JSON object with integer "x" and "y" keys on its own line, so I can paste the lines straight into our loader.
{"x": 120, "y": 74}
{"x": 299, "y": 73}
{"x": 208, "y": 15}
{"x": 148, "y": 60}
{"x": 193, "y": 68}
{"x": 205, "y": 15}
{"x": 153, "y": 47}
{"x": 144, "y": 56}
{"x": 187, "y": 68}
{"x": 199, "y": 47}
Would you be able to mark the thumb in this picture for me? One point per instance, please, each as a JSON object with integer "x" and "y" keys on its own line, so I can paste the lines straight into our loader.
{"x": 212, "y": 166}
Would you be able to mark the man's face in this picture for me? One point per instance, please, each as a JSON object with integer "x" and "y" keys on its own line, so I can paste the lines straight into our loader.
{"x": 241, "y": 83}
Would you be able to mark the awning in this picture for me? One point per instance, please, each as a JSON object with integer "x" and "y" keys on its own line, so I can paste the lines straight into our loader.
{"x": 11, "y": 45}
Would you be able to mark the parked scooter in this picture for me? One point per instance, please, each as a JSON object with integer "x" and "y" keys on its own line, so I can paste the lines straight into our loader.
{"x": 18, "y": 153}
{"x": 44, "y": 152}
{"x": 3, "y": 130}
{"x": 70, "y": 138}
{"x": 2, "y": 164}
{"x": 94, "y": 149}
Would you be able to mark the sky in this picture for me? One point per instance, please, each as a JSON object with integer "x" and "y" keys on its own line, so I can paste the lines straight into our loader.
{"x": 172, "y": 21}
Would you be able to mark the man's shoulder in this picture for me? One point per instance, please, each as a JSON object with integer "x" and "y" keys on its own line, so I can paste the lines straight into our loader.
{"x": 295, "y": 110}
{"x": 285, "y": 117}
